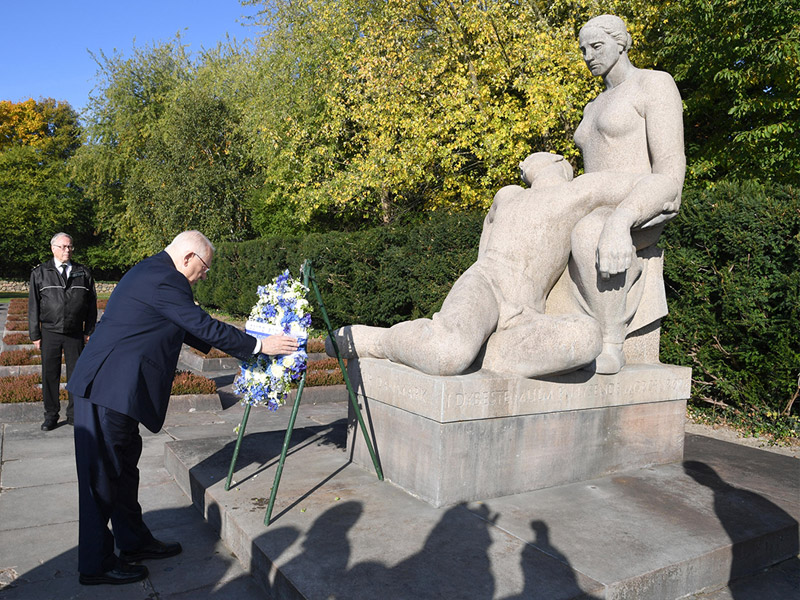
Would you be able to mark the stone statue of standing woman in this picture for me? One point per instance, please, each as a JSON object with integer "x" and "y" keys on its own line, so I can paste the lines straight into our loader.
{"x": 606, "y": 222}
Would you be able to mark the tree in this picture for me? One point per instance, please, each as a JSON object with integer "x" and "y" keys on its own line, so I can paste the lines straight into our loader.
{"x": 371, "y": 111}
{"x": 164, "y": 154}
{"x": 38, "y": 196}
{"x": 737, "y": 65}
{"x": 132, "y": 95}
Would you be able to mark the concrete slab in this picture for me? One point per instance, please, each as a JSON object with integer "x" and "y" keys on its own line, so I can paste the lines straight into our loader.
{"x": 35, "y": 472}
{"x": 661, "y": 532}
{"x": 30, "y": 507}
{"x": 39, "y": 529}
{"x": 41, "y": 553}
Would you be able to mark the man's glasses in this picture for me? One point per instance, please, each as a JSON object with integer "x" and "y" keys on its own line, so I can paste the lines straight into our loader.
{"x": 204, "y": 263}
{"x": 70, "y": 247}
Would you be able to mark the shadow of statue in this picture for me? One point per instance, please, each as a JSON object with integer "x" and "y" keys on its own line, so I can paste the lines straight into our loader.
{"x": 745, "y": 515}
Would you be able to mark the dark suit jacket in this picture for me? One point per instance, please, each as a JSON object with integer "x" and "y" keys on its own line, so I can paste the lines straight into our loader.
{"x": 129, "y": 363}
{"x": 69, "y": 308}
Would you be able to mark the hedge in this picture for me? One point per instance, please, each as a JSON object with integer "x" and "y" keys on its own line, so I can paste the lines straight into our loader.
{"x": 732, "y": 271}
{"x": 25, "y": 388}
{"x": 379, "y": 276}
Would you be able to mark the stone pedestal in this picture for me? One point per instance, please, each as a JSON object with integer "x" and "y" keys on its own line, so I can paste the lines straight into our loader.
{"x": 482, "y": 435}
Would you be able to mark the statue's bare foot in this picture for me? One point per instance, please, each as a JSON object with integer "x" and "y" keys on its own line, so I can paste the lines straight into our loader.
{"x": 611, "y": 359}
{"x": 356, "y": 341}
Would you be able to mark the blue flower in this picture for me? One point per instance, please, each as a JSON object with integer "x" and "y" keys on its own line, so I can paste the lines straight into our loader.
{"x": 263, "y": 380}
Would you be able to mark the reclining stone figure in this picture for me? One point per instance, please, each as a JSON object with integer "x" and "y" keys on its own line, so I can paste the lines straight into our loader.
{"x": 499, "y": 301}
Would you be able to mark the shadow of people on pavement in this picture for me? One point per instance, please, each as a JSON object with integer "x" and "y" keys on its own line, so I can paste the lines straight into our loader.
{"x": 745, "y": 515}
{"x": 453, "y": 563}
{"x": 542, "y": 580}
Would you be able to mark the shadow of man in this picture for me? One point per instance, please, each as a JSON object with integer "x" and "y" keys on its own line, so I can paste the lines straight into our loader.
{"x": 543, "y": 581}
{"x": 745, "y": 516}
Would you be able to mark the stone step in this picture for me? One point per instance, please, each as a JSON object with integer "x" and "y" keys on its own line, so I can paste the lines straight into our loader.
{"x": 28, "y": 412}
{"x": 662, "y": 532}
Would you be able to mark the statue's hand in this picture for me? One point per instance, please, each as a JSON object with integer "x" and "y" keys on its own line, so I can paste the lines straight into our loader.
{"x": 615, "y": 248}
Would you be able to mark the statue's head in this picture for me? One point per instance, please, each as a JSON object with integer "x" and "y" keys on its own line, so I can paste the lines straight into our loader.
{"x": 613, "y": 26}
{"x": 603, "y": 40}
{"x": 545, "y": 166}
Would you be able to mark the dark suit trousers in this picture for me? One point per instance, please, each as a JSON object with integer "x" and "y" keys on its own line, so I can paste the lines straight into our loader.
{"x": 52, "y": 345}
{"x": 107, "y": 451}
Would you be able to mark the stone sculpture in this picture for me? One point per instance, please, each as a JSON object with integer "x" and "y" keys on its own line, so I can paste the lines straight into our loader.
{"x": 503, "y": 293}
{"x": 634, "y": 126}
{"x": 601, "y": 224}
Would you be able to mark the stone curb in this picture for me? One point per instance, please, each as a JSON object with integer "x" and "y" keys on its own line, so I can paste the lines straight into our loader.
{"x": 15, "y": 370}
{"x": 201, "y": 364}
{"x": 24, "y": 412}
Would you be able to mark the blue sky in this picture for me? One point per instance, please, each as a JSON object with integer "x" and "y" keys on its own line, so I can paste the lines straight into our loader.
{"x": 44, "y": 45}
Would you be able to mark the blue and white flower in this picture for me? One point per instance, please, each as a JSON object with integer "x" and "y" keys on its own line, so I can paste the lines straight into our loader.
{"x": 282, "y": 308}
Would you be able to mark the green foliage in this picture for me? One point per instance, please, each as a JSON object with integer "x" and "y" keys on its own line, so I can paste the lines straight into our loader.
{"x": 37, "y": 195}
{"x": 164, "y": 154}
{"x": 367, "y": 112}
{"x": 733, "y": 283}
{"x": 737, "y": 65}
{"x": 378, "y": 276}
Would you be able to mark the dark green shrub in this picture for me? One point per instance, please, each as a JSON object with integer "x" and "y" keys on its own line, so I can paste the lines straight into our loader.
{"x": 378, "y": 276}
{"x": 732, "y": 270}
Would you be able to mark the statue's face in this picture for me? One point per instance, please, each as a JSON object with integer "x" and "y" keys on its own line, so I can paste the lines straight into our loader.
{"x": 600, "y": 51}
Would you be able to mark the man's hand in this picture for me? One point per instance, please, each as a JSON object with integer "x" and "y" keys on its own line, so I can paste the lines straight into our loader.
{"x": 37, "y": 344}
{"x": 278, "y": 344}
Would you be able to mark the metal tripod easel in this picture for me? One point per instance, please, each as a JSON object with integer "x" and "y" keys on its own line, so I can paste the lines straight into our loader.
{"x": 310, "y": 281}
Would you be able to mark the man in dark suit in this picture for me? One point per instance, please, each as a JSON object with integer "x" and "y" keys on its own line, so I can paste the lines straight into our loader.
{"x": 124, "y": 378}
{"x": 62, "y": 312}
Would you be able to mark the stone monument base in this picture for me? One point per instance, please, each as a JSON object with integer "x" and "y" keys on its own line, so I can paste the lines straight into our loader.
{"x": 483, "y": 435}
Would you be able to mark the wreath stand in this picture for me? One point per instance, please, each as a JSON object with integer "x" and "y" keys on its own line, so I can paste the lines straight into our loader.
{"x": 308, "y": 277}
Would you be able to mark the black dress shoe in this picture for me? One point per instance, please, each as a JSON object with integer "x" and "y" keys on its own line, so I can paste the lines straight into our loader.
{"x": 121, "y": 574}
{"x": 49, "y": 424}
{"x": 154, "y": 549}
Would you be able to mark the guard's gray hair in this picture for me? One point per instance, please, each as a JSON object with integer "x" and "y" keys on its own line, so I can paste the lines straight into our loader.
{"x": 58, "y": 235}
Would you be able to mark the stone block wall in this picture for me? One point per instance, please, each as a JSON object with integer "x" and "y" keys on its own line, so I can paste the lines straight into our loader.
{"x": 7, "y": 285}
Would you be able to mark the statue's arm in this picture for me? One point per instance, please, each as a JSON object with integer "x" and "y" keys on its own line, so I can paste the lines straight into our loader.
{"x": 664, "y": 123}
{"x": 615, "y": 248}
{"x": 655, "y": 199}
{"x": 661, "y": 106}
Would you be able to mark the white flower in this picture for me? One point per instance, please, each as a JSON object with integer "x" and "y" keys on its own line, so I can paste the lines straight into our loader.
{"x": 281, "y": 308}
